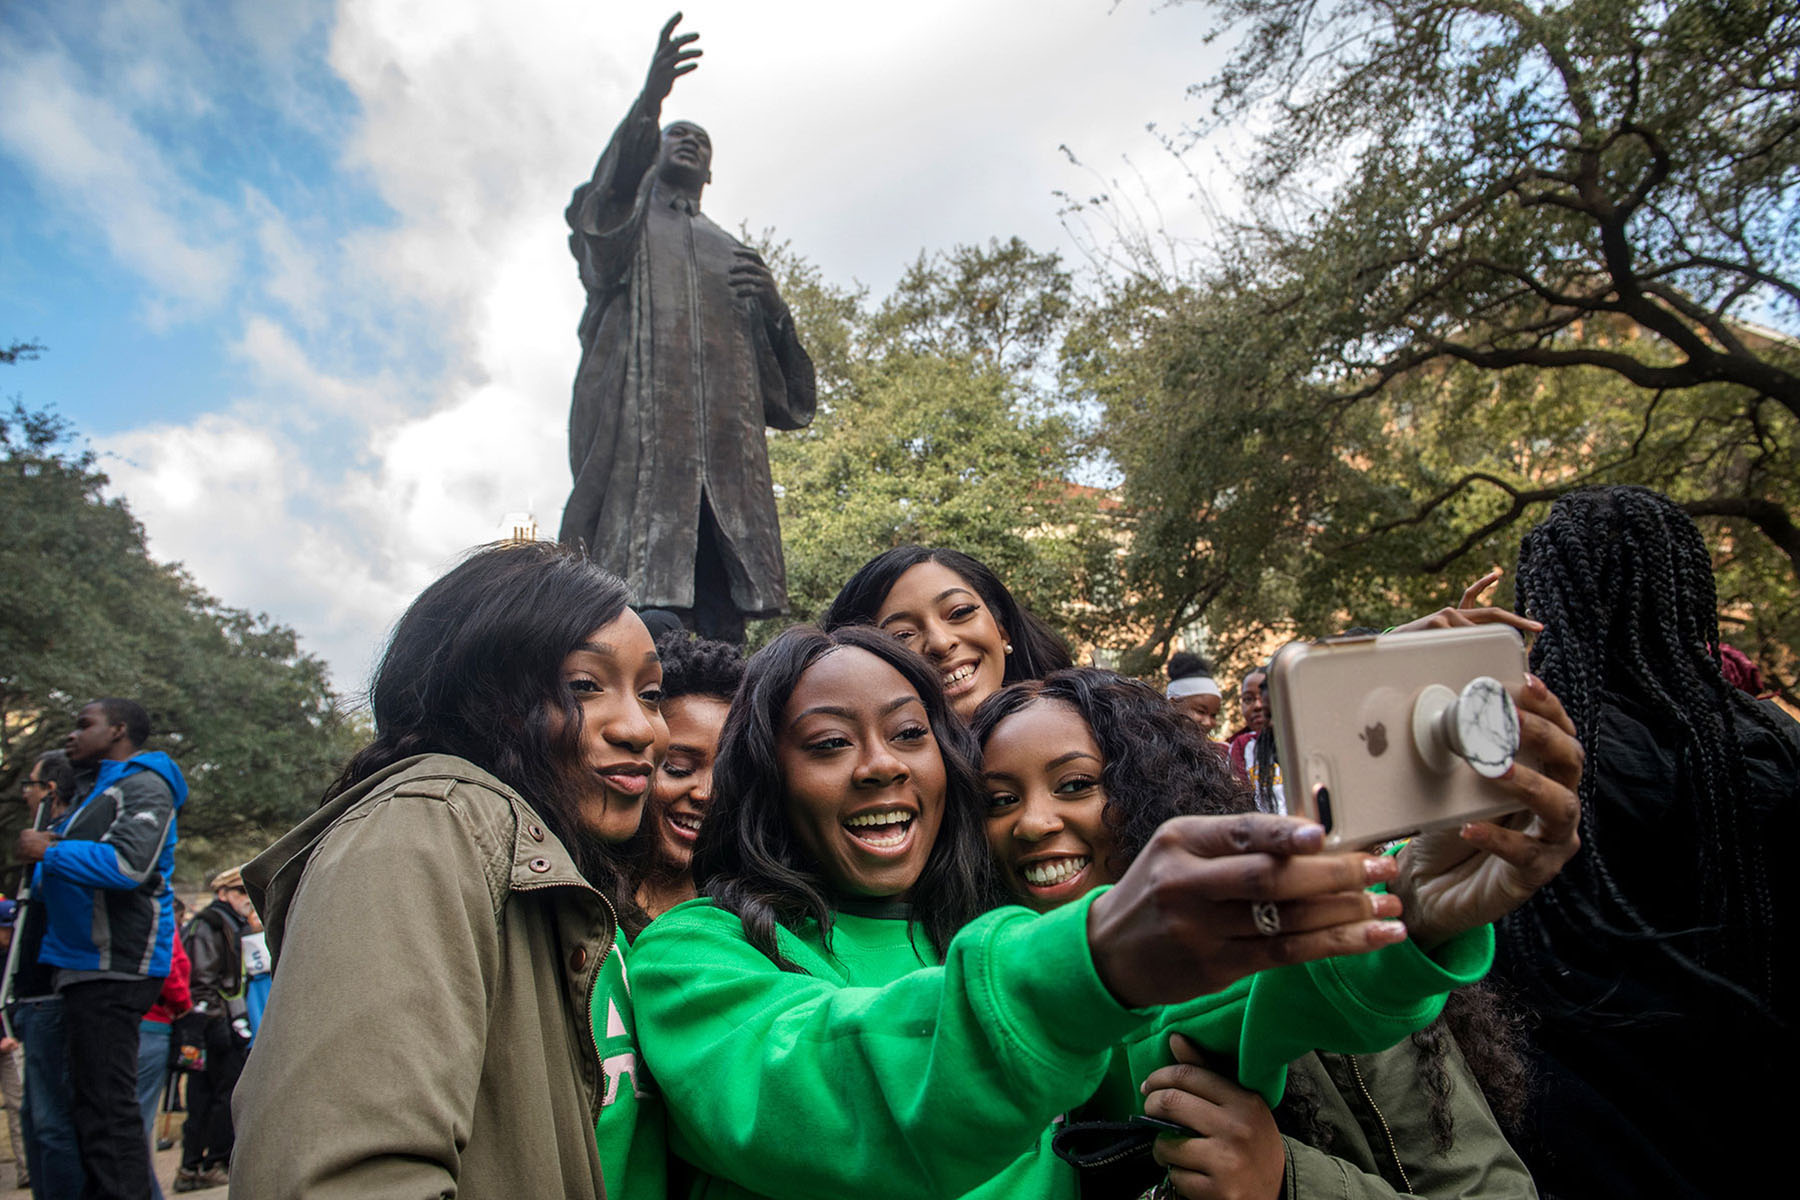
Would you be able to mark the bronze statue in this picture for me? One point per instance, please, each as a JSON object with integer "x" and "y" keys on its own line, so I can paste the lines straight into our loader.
{"x": 687, "y": 351}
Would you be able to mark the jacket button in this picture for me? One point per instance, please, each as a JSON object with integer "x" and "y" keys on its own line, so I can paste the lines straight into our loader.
{"x": 537, "y": 835}
{"x": 578, "y": 959}
{"x": 540, "y": 865}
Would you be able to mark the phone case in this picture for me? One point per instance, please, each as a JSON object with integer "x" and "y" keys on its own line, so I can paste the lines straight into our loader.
{"x": 1343, "y": 711}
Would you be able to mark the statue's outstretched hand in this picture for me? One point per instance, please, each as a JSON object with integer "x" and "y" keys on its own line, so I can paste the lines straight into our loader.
{"x": 671, "y": 61}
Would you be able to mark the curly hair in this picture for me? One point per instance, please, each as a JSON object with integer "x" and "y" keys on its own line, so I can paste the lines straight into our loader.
{"x": 748, "y": 860}
{"x": 1182, "y": 664}
{"x": 1154, "y": 764}
{"x": 1036, "y": 649}
{"x": 1623, "y": 583}
{"x": 696, "y": 666}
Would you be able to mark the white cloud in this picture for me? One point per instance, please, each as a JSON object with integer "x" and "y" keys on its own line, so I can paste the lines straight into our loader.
{"x": 89, "y": 160}
{"x": 330, "y": 493}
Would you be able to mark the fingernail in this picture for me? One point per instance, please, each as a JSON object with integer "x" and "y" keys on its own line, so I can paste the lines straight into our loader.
{"x": 1387, "y": 905}
{"x": 1390, "y": 931}
{"x": 1533, "y": 682}
{"x": 1309, "y": 837}
{"x": 1381, "y": 867}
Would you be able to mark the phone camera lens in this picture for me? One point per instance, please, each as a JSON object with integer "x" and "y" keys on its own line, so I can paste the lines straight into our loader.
{"x": 1322, "y": 805}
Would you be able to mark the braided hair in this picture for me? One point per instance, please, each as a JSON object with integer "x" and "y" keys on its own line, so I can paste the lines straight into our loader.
{"x": 1622, "y": 581}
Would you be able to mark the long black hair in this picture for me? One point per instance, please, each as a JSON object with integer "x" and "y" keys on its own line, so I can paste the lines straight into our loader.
{"x": 1623, "y": 583}
{"x": 474, "y": 669}
{"x": 1154, "y": 764}
{"x": 1036, "y": 652}
{"x": 748, "y": 860}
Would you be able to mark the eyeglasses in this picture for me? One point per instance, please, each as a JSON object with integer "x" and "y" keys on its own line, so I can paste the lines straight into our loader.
{"x": 33, "y": 783}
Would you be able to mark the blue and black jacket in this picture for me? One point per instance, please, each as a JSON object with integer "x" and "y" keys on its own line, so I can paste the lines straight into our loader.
{"x": 105, "y": 885}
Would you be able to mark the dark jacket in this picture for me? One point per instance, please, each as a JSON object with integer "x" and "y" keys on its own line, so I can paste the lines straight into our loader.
{"x": 215, "y": 946}
{"x": 1643, "y": 1066}
{"x": 105, "y": 885}
{"x": 15, "y": 818}
{"x": 1381, "y": 1146}
{"x": 428, "y": 1032}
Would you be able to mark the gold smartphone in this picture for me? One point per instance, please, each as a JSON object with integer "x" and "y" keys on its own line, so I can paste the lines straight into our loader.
{"x": 1388, "y": 735}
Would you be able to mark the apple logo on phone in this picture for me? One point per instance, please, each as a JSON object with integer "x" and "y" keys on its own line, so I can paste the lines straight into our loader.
{"x": 1375, "y": 738}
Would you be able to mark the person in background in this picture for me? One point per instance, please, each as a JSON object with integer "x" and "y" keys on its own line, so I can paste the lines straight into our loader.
{"x": 153, "y": 1048}
{"x": 953, "y": 609}
{"x": 104, "y": 880}
{"x": 12, "y": 1085}
{"x": 53, "y": 1159}
{"x": 1660, "y": 965}
{"x": 1195, "y": 693}
{"x": 16, "y": 816}
{"x": 1253, "y": 709}
{"x": 699, "y": 679}
{"x": 215, "y": 946}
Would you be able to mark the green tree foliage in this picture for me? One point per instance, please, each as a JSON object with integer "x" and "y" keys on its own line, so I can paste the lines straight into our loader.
{"x": 937, "y": 425}
{"x": 1497, "y": 248}
{"x": 85, "y": 612}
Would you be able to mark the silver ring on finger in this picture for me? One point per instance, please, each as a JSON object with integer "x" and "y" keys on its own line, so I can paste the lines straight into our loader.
{"x": 1266, "y": 916}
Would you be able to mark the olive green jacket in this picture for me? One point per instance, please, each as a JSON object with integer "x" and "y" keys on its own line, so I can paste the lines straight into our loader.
{"x": 1381, "y": 1145}
{"x": 427, "y": 1032}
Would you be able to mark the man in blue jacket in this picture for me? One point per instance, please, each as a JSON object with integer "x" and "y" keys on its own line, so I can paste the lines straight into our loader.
{"x": 104, "y": 881}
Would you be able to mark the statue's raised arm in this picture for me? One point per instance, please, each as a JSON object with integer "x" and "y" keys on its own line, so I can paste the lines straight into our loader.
{"x": 687, "y": 352}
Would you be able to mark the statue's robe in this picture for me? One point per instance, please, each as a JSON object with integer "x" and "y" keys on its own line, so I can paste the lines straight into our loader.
{"x": 678, "y": 376}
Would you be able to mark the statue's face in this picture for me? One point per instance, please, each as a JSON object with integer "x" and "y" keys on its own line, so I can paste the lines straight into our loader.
{"x": 686, "y": 154}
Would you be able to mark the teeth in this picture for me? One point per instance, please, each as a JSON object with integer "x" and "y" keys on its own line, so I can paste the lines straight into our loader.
{"x": 687, "y": 822}
{"x": 880, "y": 829}
{"x": 1054, "y": 871}
{"x": 961, "y": 673}
{"x": 880, "y": 818}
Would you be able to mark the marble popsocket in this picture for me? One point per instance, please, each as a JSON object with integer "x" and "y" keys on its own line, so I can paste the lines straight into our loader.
{"x": 1480, "y": 726}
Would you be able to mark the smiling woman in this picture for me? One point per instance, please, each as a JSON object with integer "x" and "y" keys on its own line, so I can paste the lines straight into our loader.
{"x": 953, "y": 609}
{"x": 454, "y": 907}
{"x": 841, "y": 986}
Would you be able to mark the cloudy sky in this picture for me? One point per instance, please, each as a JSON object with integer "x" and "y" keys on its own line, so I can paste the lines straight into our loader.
{"x": 302, "y": 268}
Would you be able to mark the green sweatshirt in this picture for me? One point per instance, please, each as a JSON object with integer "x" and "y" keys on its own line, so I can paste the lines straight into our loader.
{"x": 966, "y": 1064}
{"x": 630, "y": 1128}
{"x": 874, "y": 1074}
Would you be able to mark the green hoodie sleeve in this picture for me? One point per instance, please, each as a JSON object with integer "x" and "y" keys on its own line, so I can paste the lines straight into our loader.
{"x": 799, "y": 1086}
{"x": 1349, "y": 1005}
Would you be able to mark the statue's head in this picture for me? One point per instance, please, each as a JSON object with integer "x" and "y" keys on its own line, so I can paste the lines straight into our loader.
{"x": 686, "y": 156}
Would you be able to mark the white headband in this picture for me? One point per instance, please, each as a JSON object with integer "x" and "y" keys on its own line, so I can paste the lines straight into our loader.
{"x": 1193, "y": 685}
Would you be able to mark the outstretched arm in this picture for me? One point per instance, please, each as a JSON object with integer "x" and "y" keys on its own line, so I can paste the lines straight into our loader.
{"x": 606, "y": 201}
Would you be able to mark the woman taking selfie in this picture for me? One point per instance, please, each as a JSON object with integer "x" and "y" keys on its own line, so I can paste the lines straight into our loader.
{"x": 839, "y": 1016}
{"x": 1081, "y": 769}
{"x": 440, "y": 924}
{"x": 954, "y": 610}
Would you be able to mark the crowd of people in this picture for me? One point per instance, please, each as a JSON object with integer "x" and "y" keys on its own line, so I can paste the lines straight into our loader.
{"x": 907, "y": 904}
{"x": 112, "y": 998}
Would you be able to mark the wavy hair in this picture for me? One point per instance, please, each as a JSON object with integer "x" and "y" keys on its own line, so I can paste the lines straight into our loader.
{"x": 1037, "y": 650}
{"x": 474, "y": 669}
{"x": 1154, "y": 764}
{"x": 747, "y": 858}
